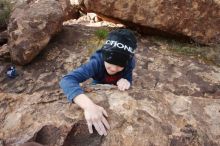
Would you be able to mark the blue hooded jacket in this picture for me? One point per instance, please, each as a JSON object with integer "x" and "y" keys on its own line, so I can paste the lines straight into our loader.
{"x": 93, "y": 69}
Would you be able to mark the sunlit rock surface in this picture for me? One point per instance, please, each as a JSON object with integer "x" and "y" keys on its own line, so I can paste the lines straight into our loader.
{"x": 175, "y": 100}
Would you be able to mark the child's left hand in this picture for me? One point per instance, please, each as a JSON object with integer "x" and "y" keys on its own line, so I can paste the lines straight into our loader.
{"x": 123, "y": 84}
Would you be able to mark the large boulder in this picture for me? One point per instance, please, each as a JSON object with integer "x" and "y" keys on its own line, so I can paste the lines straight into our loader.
{"x": 196, "y": 19}
{"x": 31, "y": 28}
{"x": 71, "y": 9}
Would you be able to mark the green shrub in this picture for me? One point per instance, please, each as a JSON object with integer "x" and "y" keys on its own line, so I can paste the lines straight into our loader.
{"x": 101, "y": 34}
{"x": 5, "y": 10}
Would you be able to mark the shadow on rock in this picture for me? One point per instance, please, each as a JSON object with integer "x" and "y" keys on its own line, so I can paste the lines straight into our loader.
{"x": 80, "y": 136}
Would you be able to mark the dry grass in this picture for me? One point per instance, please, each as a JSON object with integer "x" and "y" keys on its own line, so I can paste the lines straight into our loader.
{"x": 209, "y": 54}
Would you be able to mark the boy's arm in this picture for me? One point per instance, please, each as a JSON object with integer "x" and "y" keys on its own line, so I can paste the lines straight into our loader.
{"x": 94, "y": 114}
{"x": 70, "y": 82}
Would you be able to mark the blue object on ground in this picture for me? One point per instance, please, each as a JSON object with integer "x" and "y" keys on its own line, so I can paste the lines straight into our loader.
{"x": 11, "y": 72}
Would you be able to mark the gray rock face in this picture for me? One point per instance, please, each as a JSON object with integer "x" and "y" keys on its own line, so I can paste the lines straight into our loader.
{"x": 174, "y": 101}
{"x": 196, "y": 19}
{"x": 71, "y": 10}
{"x": 31, "y": 28}
{"x": 3, "y": 37}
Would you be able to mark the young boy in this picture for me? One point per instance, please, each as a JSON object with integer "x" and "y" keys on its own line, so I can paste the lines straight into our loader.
{"x": 112, "y": 64}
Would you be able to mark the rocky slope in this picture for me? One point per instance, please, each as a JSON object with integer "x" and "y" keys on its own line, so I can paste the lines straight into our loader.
{"x": 175, "y": 100}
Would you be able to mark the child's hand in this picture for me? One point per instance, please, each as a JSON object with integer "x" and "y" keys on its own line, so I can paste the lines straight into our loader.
{"x": 94, "y": 115}
{"x": 123, "y": 84}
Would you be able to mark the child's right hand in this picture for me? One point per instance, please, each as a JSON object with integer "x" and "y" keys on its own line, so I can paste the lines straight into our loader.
{"x": 94, "y": 115}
